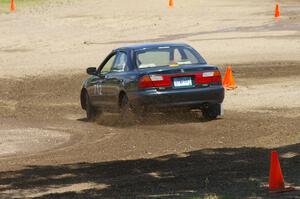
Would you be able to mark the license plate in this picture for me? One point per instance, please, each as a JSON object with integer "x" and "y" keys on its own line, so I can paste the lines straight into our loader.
{"x": 182, "y": 82}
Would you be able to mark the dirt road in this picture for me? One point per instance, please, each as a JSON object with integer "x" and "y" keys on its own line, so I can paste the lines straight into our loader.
{"x": 48, "y": 150}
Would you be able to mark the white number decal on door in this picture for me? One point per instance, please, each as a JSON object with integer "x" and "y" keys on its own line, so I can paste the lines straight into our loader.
{"x": 98, "y": 89}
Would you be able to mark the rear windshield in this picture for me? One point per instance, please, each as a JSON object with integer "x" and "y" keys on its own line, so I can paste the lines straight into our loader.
{"x": 167, "y": 56}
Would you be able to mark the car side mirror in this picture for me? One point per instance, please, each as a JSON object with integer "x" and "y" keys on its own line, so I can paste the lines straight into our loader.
{"x": 91, "y": 70}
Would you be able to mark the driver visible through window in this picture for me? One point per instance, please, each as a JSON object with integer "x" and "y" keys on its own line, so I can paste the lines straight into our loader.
{"x": 164, "y": 56}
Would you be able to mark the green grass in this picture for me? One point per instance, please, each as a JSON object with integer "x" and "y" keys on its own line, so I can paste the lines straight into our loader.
{"x": 20, "y": 1}
{"x": 5, "y": 4}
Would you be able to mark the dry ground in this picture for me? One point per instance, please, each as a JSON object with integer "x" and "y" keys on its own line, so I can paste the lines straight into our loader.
{"x": 47, "y": 150}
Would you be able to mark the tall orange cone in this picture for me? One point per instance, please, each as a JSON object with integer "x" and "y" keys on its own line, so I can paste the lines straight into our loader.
{"x": 12, "y": 6}
{"x": 276, "y": 181}
{"x": 171, "y": 3}
{"x": 277, "y": 11}
{"x": 228, "y": 81}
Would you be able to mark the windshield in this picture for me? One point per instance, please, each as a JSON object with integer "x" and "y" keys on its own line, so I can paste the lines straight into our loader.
{"x": 167, "y": 56}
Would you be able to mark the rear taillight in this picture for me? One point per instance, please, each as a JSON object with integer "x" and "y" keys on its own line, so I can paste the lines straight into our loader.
{"x": 156, "y": 81}
{"x": 208, "y": 77}
{"x": 145, "y": 82}
{"x": 150, "y": 81}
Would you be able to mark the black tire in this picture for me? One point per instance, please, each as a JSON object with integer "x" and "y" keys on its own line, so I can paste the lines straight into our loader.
{"x": 91, "y": 112}
{"x": 126, "y": 113}
{"x": 211, "y": 112}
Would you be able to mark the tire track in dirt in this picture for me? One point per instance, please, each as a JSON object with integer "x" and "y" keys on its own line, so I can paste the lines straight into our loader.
{"x": 47, "y": 100}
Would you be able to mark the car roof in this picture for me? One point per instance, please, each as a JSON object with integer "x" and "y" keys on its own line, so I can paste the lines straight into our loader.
{"x": 151, "y": 45}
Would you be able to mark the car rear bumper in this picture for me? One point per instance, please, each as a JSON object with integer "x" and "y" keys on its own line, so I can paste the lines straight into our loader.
{"x": 193, "y": 98}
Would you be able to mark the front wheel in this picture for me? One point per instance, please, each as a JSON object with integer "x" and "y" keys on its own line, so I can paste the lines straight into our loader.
{"x": 211, "y": 111}
{"x": 91, "y": 112}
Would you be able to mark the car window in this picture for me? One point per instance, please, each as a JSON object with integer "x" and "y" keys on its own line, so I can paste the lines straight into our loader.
{"x": 120, "y": 64}
{"x": 164, "y": 56}
{"x": 189, "y": 56}
{"x": 153, "y": 58}
{"x": 177, "y": 56}
{"x": 108, "y": 65}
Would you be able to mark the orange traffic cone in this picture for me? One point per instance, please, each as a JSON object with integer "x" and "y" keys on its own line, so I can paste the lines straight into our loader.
{"x": 277, "y": 12}
{"x": 276, "y": 181}
{"x": 12, "y": 6}
{"x": 171, "y": 3}
{"x": 228, "y": 81}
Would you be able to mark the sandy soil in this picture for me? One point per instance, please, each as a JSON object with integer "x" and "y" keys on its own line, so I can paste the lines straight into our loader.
{"x": 47, "y": 150}
{"x": 57, "y": 37}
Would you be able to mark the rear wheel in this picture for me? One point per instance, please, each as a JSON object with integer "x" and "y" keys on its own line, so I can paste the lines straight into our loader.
{"x": 211, "y": 111}
{"x": 91, "y": 112}
{"x": 127, "y": 115}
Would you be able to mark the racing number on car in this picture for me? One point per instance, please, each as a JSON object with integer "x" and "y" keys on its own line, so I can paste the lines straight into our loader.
{"x": 98, "y": 89}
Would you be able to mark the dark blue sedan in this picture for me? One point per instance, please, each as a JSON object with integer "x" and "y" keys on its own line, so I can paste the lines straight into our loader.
{"x": 153, "y": 78}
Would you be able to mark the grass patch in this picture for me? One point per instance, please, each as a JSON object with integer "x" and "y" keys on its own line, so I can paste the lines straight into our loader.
{"x": 20, "y": 1}
{"x": 5, "y": 4}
